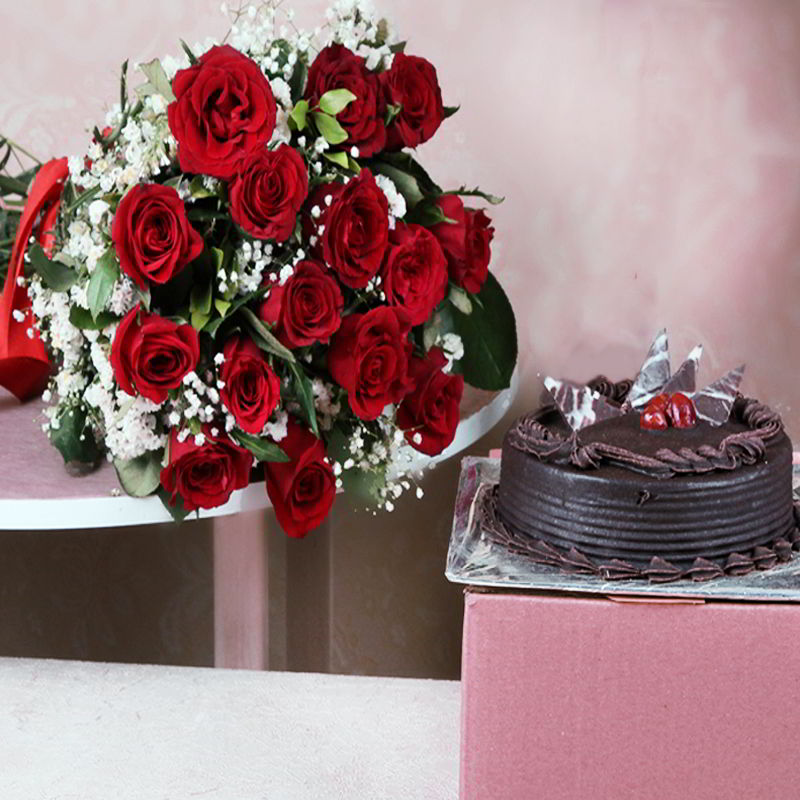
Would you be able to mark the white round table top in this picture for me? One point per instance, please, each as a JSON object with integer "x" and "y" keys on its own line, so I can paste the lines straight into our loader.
{"x": 37, "y": 492}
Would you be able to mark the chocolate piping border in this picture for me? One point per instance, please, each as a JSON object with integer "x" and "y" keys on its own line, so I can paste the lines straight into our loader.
{"x": 529, "y": 436}
{"x": 657, "y": 571}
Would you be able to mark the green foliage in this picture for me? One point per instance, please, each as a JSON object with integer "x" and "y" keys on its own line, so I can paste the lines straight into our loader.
{"x": 177, "y": 511}
{"x": 339, "y": 158}
{"x": 261, "y": 335}
{"x": 82, "y": 318}
{"x": 360, "y": 484}
{"x": 189, "y": 54}
{"x": 74, "y": 437}
{"x": 335, "y": 101}
{"x": 101, "y": 284}
{"x": 476, "y": 192}
{"x": 262, "y": 449}
{"x": 460, "y": 299}
{"x": 298, "y": 116}
{"x": 140, "y": 476}
{"x": 329, "y": 128}
{"x": 200, "y": 304}
{"x": 489, "y": 335}
{"x": 409, "y": 176}
{"x": 157, "y": 81}
{"x": 305, "y": 396}
{"x": 450, "y": 110}
{"x": 54, "y": 274}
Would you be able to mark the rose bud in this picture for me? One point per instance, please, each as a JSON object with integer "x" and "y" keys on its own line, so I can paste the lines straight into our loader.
{"x": 412, "y": 84}
{"x": 152, "y": 235}
{"x": 356, "y": 228}
{"x": 252, "y": 390}
{"x": 681, "y": 411}
{"x": 223, "y": 111}
{"x": 429, "y": 413}
{"x": 369, "y": 357}
{"x": 336, "y": 67}
{"x": 307, "y": 308}
{"x": 204, "y": 475}
{"x": 303, "y": 489}
{"x": 268, "y": 191}
{"x": 415, "y": 271}
{"x": 150, "y": 355}
{"x": 466, "y": 242}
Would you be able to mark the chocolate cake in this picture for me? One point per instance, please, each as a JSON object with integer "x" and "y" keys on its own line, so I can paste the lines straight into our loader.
{"x": 623, "y": 496}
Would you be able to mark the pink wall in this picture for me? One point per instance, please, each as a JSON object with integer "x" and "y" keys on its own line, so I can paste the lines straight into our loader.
{"x": 648, "y": 152}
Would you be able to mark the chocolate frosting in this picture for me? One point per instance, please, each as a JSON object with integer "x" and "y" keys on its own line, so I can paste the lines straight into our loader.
{"x": 622, "y": 502}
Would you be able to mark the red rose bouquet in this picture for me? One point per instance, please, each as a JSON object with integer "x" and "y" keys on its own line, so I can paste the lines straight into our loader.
{"x": 251, "y": 277}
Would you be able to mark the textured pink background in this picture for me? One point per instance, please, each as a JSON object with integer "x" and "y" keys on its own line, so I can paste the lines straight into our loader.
{"x": 648, "y": 152}
{"x": 649, "y": 156}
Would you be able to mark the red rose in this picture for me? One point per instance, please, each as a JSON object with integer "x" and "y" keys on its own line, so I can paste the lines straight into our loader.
{"x": 336, "y": 67}
{"x": 415, "y": 272}
{"x": 412, "y": 85}
{"x": 150, "y": 355}
{"x": 307, "y": 308}
{"x": 369, "y": 357}
{"x": 204, "y": 475}
{"x": 355, "y": 228}
{"x": 466, "y": 243}
{"x": 268, "y": 191}
{"x": 303, "y": 489}
{"x": 152, "y": 235}
{"x": 252, "y": 390}
{"x": 429, "y": 414}
{"x": 223, "y": 111}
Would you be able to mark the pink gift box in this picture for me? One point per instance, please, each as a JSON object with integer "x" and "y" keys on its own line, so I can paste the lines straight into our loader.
{"x": 588, "y": 698}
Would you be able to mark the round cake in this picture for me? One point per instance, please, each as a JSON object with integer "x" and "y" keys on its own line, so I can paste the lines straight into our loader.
{"x": 623, "y": 501}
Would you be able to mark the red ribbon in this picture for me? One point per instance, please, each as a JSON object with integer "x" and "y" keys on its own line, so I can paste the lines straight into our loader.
{"x": 24, "y": 366}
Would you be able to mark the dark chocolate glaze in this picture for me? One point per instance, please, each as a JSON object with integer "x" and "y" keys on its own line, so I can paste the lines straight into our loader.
{"x": 657, "y": 504}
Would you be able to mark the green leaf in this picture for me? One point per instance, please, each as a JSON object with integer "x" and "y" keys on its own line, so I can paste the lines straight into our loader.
{"x": 406, "y": 184}
{"x": 450, "y": 110}
{"x": 101, "y": 284}
{"x": 140, "y": 476}
{"x": 263, "y": 338}
{"x": 299, "y": 114}
{"x": 407, "y": 163}
{"x": 157, "y": 80}
{"x": 399, "y": 47}
{"x": 177, "y": 511}
{"x": 335, "y": 101}
{"x": 74, "y": 438}
{"x": 143, "y": 295}
{"x": 476, "y": 192}
{"x": 10, "y": 185}
{"x": 262, "y": 449}
{"x": 489, "y": 335}
{"x": 391, "y": 112}
{"x": 340, "y": 158}
{"x": 56, "y": 276}
{"x": 198, "y": 188}
{"x": 460, "y": 299}
{"x": 329, "y": 128}
{"x": 427, "y": 213}
{"x": 222, "y": 306}
{"x": 297, "y": 83}
{"x": 189, "y": 54}
{"x": 305, "y": 396}
{"x": 67, "y": 261}
{"x": 360, "y": 484}
{"x": 82, "y": 318}
{"x": 353, "y": 165}
{"x": 200, "y": 304}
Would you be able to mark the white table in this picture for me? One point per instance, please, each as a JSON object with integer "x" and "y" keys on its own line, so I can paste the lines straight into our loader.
{"x": 37, "y": 493}
{"x": 79, "y": 731}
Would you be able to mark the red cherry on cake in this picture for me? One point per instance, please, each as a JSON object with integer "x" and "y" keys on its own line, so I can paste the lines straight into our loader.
{"x": 654, "y": 417}
{"x": 681, "y": 411}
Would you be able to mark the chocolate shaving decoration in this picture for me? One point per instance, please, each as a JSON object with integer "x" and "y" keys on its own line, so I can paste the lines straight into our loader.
{"x": 654, "y": 373}
{"x": 580, "y": 405}
{"x": 783, "y": 550}
{"x": 661, "y": 571}
{"x": 684, "y": 380}
{"x": 545, "y": 553}
{"x": 616, "y": 570}
{"x": 737, "y": 564}
{"x": 575, "y": 561}
{"x": 622, "y": 390}
{"x": 714, "y": 403}
{"x": 704, "y": 570}
{"x": 764, "y": 558}
{"x": 603, "y": 386}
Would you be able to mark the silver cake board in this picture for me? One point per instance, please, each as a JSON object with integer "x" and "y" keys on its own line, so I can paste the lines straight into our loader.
{"x": 474, "y": 559}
